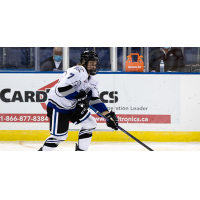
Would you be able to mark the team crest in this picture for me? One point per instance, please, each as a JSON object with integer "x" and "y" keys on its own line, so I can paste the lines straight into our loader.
{"x": 78, "y": 68}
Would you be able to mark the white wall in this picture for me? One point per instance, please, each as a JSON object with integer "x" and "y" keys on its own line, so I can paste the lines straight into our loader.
{"x": 176, "y": 96}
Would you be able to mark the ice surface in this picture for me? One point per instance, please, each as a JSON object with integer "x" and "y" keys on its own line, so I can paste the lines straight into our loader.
{"x": 103, "y": 146}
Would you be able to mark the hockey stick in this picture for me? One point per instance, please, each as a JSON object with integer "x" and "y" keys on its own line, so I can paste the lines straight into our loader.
{"x": 120, "y": 128}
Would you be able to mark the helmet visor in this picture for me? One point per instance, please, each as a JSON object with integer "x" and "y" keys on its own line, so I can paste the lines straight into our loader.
{"x": 93, "y": 66}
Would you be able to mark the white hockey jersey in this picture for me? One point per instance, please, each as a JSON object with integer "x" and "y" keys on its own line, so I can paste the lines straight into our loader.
{"x": 62, "y": 96}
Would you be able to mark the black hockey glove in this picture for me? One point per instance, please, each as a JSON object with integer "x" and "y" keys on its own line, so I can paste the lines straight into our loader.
{"x": 113, "y": 120}
{"x": 82, "y": 98}
{"x": 81, "y": 95}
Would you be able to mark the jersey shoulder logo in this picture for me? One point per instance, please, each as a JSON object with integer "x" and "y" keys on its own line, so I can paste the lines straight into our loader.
{"x": 78, "y": 68}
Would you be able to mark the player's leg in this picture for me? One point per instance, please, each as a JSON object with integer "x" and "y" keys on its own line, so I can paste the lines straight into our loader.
{"x": 59, "y": 124}
{"x": 88, "y": 125}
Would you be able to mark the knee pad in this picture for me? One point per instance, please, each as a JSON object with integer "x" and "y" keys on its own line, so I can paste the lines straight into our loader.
{"x": 89, "y": 123}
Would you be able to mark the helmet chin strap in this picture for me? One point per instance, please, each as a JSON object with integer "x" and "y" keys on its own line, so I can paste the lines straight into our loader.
{"x": 91, "y": 72}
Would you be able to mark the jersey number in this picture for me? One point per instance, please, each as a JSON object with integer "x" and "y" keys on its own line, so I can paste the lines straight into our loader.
{"x": 71, "y": 75}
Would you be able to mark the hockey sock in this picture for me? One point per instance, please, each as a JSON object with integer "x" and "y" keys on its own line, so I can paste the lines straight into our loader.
{"x": 51, "y": 143}
{"x": 85, "y": 136}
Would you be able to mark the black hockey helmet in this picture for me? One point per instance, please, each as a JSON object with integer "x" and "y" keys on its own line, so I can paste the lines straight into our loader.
{"x": 90, "y": 56}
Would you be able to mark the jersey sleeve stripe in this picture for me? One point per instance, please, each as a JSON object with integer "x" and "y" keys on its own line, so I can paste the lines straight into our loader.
{"x": 63, "y": 89}
{"x": 93, "y": 98}
{"x": 67, "y": 90}
{"x": 71, "y": 95}
{"x": 96, "y": 101}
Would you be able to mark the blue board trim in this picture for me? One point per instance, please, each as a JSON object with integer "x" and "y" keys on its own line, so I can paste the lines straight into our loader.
{"x": 136, "y": 73}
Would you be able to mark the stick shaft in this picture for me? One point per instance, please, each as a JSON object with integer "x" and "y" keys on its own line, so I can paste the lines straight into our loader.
{"x": 144, "y": 145}
{"x": 127, "y": 133}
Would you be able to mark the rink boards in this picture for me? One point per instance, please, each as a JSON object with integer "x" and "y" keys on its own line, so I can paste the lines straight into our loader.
{"x": 163, "y": 108}
{"x": 104, "y": 136}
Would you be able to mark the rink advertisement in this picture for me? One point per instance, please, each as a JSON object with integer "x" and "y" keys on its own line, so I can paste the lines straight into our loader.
{"x": 138, "y": 100}
{"x": 142, "y": 99}
{"x": 122, "y": 118}
{"x": 159, "y": 105}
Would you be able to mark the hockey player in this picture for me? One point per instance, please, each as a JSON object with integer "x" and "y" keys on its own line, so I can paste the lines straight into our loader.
{"x": 69, "y": 100}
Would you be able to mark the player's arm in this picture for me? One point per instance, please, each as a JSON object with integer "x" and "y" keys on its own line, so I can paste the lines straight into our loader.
{"x": 105, "y": 112}
{"x": 96, "y": 102}
{"x": 66, "y": 86}
{"x": 67, "y": 91}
